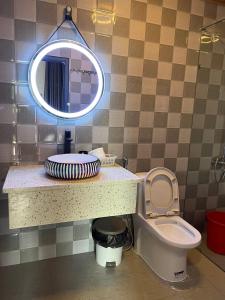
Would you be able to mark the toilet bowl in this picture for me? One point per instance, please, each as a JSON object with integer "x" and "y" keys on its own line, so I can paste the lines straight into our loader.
{"x": 161, "y": 236}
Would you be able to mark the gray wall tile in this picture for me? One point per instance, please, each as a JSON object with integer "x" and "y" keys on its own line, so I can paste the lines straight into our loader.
{"x": 9, "y": 242}
{"x": 130, "y": 150}
{"x": 7, "y": 93}
{"x": 7, "y": 28}
{"x": 134, "y": 84}
{"x": 132, "y": 118}
{"x": 26, "y": 134}
{"x": 147, "y": 103}
{"x": 168, "y": 17}
{"x": 165, "y": 53}
{"x": 47, "y": 134}
{"x": 28, "y": 239}
{"x": 28, "y": 152}
{"x": 84, "y": 134}
{"x": 7, "y": 8}
{"x": 29, "y": 255}
{"x": 138, "y": 10}
{"x": 119, "y": 64}
{"x": 64, "y": 234}
{"x": 184, "y": 5}
{"x": 103, "y": 44}
{"x": 21, "y": 9}
{"x": 47, "y": 251}
{"x": 181, "y": 38}
{"x": 7, "y": 50}
{"x": 81, "y": 232}
{"x": 26, "y": 114}
{"x": 136, "y": 48}
{"x": 10, "y": 258}
{"x": 63, "y": 249}
{"x": 22, "y": 72}
{"x": 84, "y": 21}
{"x": 46, "y": 12}
{"x": 47, "y": 236}
{"x": 8, "y": 133}
{"x": 152, "y": 33}
{"x": 7, "y": 72}
{"x": 121, "y": 27}
{"x": 8, "y": 113}
{"x": 116, "y": 134}
{"x": 101, "y": 117}
{"x": 25, "y": 31}
{"x": 158, "y": 150}
{"x": 145, "y": 135}
{"x": 117, "y": 100}
{"x": 150, "y": 68}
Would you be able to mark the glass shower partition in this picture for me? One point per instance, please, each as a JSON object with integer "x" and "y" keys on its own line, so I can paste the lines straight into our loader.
{"x": 206, "y": 172}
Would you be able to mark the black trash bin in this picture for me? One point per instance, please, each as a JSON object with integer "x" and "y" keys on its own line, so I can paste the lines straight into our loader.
{"x": 110, "y": 236}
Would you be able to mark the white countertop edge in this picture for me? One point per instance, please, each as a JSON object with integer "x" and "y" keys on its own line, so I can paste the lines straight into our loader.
{"x": 53, "y": 183}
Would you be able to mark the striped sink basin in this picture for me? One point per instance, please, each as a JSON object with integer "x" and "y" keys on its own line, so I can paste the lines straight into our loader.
{"x": 72, "y": 166}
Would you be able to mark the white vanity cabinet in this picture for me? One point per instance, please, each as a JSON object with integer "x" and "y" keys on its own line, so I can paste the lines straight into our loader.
{"x": 37, "y": 199}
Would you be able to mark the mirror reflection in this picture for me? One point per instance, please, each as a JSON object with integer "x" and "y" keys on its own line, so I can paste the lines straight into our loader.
{"x": 67, "y": 80}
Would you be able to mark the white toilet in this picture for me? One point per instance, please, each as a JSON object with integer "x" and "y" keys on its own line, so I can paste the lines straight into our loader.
{"x": 162, "y": 237}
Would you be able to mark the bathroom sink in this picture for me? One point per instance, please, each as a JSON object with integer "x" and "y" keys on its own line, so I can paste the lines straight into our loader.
{"x": 72, "y": 166}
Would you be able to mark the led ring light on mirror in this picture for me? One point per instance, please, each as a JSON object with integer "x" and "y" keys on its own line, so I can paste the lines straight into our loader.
{"x": 59, "y": 44}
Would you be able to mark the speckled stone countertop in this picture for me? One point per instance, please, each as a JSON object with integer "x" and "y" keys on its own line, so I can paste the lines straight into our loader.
{"x": 34, "y": 178}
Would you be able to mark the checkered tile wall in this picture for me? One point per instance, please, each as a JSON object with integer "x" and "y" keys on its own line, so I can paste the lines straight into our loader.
{"x": 150, "y": 59}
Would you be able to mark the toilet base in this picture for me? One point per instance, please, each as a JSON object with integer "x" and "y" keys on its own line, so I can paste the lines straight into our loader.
{"x": 168, "y": 262}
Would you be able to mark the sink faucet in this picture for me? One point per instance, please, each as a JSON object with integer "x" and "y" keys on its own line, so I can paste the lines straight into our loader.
{"x": 67, "y": 141}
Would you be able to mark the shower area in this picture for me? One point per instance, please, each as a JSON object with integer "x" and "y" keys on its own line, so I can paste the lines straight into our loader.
{"x": 205, "y": 189}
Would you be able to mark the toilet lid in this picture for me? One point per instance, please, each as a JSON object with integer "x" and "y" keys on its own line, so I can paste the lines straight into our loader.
{"x": 161, "y": 193}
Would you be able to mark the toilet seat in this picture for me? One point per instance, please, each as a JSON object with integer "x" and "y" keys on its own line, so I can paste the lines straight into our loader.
{"x": 161, "y": 193}
{"x": 161, "y": 216}
{"x": 175, "y": 231}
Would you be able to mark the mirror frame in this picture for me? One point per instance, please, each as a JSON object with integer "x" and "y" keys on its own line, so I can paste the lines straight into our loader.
{"x": 34, "y": 63}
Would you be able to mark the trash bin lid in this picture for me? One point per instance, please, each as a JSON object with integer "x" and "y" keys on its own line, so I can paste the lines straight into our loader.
{"x": 109, "y": 225}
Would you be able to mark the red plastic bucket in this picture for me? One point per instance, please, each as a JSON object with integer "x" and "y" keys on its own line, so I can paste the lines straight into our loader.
{"x": 216, "y": 231}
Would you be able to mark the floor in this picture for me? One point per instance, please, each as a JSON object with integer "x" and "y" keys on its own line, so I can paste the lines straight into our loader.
{"x": 79, "y": 278}
{"x": 217, "y": 259}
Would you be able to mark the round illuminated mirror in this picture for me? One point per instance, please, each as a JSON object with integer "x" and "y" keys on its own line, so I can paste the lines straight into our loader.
{"x": 66, "y": 79}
